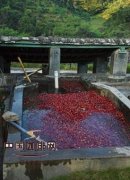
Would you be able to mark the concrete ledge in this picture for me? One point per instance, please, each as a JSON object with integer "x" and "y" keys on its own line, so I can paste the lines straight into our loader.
{"x": 121, "y": 101}
{"x": 49, "y": 169}
{"x": 114, "y": 91}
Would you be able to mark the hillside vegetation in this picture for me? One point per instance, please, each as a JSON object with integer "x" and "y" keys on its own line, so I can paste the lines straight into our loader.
{"x": 68, "y": 18}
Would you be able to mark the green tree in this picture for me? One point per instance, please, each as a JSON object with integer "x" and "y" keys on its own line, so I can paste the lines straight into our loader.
{"x": 27, "y": 23}
{"x": 5, "y": 31}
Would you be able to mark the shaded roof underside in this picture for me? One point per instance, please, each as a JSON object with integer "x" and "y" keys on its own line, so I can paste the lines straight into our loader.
{"x": 41, "y": 55}
{"x": 36, "y": 49}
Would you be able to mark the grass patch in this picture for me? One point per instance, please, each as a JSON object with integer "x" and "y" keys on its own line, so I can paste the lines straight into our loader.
{"x": 68, "y": 66}
{"x": 73, "y": 66}
{"x": 111, "y": 174}
{"x": 63, "y": 66}
{"x": 26, "y": 65}
{"x": 90, "y": 67}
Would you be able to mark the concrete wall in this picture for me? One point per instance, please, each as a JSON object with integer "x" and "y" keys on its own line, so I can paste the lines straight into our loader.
{"x": 47, "y": 170}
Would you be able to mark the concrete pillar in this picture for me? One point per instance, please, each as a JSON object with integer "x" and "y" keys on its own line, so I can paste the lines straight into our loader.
{"x": 7, "y": 67}
{"x": 54, "y": 60}
{"x": 4, "y": 65}
{"x": 2, "y": 61}
{"x": 118, "y": 64}
{"x": 82, "y": 67}
{"x": 100, "y": 65}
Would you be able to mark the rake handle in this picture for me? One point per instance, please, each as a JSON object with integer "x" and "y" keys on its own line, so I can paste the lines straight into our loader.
{"x": 22, "y": 129}
{"x": 20, "y": 61}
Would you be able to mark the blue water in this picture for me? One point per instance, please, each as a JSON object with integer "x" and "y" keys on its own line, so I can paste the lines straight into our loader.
{"x": 97, "y": 130}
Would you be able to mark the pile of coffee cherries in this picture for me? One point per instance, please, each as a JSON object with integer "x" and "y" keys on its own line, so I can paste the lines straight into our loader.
{"x": 79, "y": 119}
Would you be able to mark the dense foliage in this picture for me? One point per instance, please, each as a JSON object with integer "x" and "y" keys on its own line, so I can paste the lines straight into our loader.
{"x": 68, "y": 18}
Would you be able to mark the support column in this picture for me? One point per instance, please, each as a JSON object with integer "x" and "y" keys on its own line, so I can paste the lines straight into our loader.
{"x": 82, "y": 67}
{"x": 54, "y": 61}
{"x": 100, "y": 65}
{"x": 7, "y": 67}
{"x": 2, "y": 63}
{"x": 118, "y": 64}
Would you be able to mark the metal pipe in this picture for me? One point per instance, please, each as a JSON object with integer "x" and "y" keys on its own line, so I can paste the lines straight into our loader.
{"x": 56, "y": 80}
